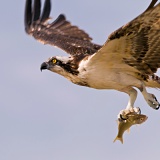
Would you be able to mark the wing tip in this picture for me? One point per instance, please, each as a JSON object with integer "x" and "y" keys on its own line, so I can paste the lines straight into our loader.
{"x": 28, "y": 15}
{"x": 46, "y": 11}
{"x": 151, "y": 5}
{"x": 34, "y": 14}
{"x": 36, "y": 10}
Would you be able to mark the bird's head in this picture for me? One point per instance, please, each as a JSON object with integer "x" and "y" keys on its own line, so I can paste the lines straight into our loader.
{"x": 60, "y": 65}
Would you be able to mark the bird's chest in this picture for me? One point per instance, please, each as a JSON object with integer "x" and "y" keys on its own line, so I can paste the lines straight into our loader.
{"x": 100, "y": 78}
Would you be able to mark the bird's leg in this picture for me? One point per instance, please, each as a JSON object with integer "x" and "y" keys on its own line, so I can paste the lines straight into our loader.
{"x": 130, "y": 107}
{"x": 150, "y": 98}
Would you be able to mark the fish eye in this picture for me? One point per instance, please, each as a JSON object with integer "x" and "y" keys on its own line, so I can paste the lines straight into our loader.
{"x": 54, "y": 61}
{"x": 141, "y": 119}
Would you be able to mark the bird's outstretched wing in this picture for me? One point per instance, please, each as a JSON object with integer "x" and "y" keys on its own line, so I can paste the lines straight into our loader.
{"x": 59, "y": 33}
{"x": 134, "y": 46}
{"x": 151, "y": 5}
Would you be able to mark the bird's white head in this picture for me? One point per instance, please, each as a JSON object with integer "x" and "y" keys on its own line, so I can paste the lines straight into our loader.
{"x": 60, "y": 65}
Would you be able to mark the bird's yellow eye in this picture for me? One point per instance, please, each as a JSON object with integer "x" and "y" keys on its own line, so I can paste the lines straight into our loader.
{"x": 54, "y": 61}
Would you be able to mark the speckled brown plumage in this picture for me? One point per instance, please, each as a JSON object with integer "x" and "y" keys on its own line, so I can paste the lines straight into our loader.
{"x": 143, "y": 41}
{"x": 59, "y": 33}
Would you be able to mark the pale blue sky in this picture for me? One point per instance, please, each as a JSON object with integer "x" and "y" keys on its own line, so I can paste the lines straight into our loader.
{"x": 45, "y": 117}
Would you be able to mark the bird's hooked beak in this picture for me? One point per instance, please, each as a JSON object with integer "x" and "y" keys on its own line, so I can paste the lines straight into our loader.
{"x": 44, "y": 65}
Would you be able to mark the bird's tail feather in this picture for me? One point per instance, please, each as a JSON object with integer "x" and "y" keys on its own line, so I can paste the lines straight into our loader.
{"x": 153, "y": 81}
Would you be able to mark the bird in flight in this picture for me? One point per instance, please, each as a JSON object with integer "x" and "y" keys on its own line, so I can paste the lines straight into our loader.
{"x": 129, "y": 58}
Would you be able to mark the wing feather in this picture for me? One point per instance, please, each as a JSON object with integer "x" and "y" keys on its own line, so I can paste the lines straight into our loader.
{"x": 28, "y": 15}
{"x": 36, "y": 10}
{"x": 58, "y": 22}
{"x": 135, "y": 46}
{"x": 59, "y": 33}
{"x": 46, "y": 11}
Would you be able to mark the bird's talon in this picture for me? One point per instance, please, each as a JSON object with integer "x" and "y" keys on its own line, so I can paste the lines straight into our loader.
{"x": 155, "y": 99}
{"x": 123, "y": 115}
{"x": 157, "y": 107}
{"x": 122, "y": 118}
{"x": 152, "y": 101}
{"x": 138, "y": 110}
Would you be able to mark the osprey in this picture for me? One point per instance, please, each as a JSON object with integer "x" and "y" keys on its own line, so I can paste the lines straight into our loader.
{"x": 129, "y": 58}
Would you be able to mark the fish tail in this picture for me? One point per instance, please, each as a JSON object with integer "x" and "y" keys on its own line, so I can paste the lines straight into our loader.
{"x": 118, "y": 138}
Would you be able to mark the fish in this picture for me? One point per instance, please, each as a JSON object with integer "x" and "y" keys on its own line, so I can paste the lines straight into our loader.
{"x": 132, "y": 118}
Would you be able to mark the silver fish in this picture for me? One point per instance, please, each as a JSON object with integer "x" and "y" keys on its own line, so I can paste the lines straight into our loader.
{"x": 132, "y": 118}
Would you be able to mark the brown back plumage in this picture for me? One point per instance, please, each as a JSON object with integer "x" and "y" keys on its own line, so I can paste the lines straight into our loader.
{"x": 142, "y": 36}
